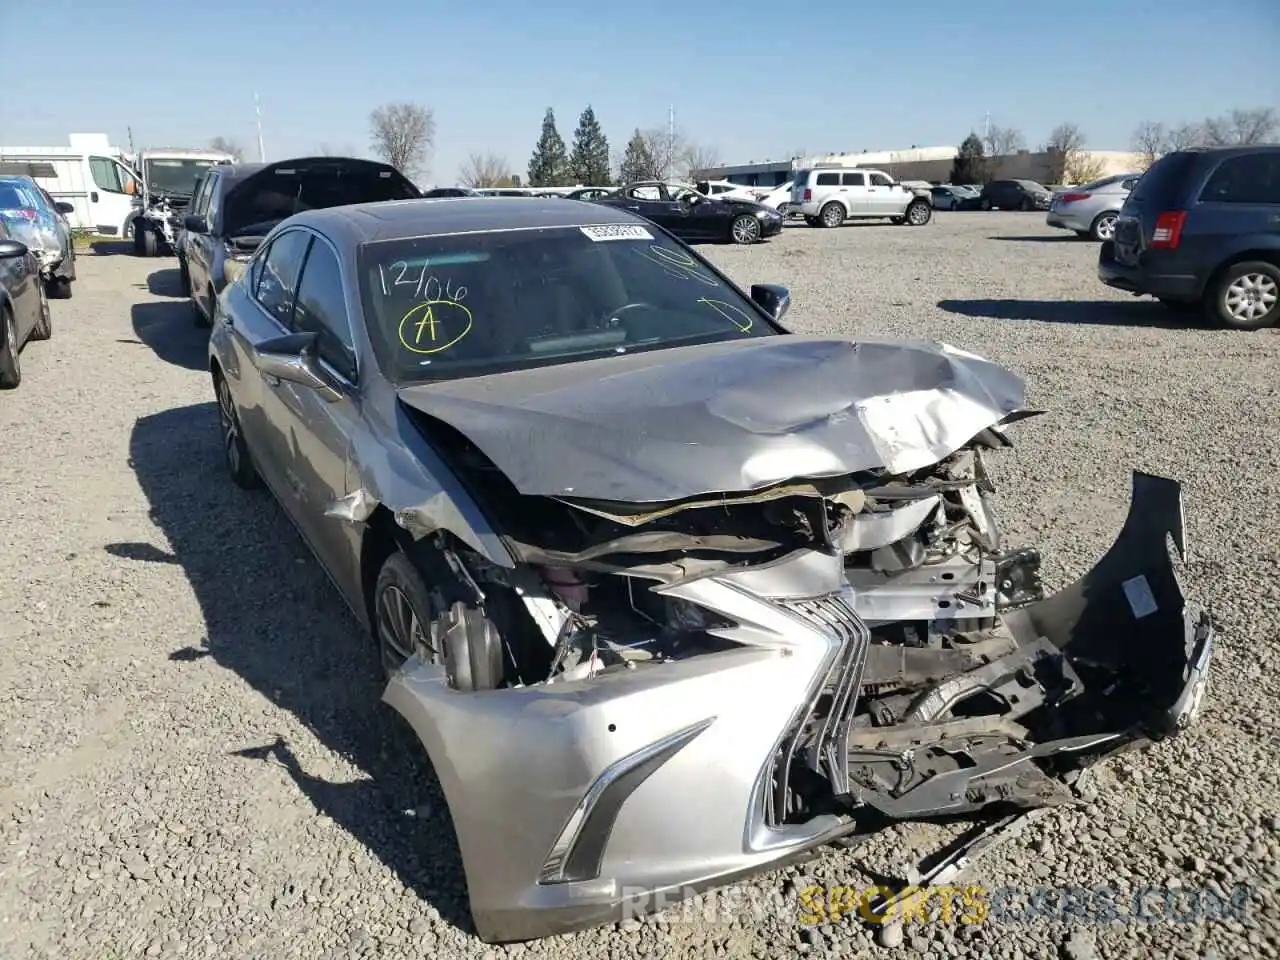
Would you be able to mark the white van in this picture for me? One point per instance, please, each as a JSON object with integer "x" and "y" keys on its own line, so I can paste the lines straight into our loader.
{"x": 90, "y": 174}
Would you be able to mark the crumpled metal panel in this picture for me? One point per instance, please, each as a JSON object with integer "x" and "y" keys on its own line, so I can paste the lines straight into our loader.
{"x": 725, "y": 417}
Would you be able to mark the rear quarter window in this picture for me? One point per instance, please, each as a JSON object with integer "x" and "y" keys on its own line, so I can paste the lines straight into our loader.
{"x": 1251, "y": 178}
{"x": 1163, "y": 181}
{"x": 828, "y": 180}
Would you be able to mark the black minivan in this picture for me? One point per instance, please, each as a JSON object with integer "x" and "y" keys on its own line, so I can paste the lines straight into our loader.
{"x": 236, "y": 205}
{"x": 1201, "y": 229}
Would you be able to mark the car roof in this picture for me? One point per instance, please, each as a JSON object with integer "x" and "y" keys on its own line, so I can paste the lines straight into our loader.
{"x": 405, "y": 219}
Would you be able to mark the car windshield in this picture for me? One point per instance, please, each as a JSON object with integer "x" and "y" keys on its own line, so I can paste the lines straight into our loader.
{"x": 479, "y": 303}
{"x": 174, "y": 176}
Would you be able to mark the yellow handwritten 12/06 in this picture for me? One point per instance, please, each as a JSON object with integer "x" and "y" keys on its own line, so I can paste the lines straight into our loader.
{"x": 425, "y": 328}
{"x": 727, "y": 310}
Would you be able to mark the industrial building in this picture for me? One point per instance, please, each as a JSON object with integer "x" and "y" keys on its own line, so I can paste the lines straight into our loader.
{"x": 932, "y": 164}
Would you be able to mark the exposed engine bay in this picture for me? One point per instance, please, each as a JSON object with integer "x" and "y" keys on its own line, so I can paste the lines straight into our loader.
{"x": 944, "y": 697}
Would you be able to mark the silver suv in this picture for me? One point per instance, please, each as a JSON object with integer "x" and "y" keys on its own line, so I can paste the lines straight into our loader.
{"x": 828, "y": 196}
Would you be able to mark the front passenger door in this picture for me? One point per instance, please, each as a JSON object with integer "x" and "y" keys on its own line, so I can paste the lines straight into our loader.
{"x": 319, "y": 426}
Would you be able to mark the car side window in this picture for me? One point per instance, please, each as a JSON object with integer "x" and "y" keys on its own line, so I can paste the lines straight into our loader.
{"x": 1252, "y": 178}
{"x": 277, "y": 279}
{"x": 106, "y": 175}
{"x": 854, "y": 179}
{"x": 1129, "y": 184}
{"x": 647, "y": 192}
{"x": 828, "y": 180}
{"x": 322, "y": 308}
{"x": 213, "y": 202}
{"x": 880, "y": 180}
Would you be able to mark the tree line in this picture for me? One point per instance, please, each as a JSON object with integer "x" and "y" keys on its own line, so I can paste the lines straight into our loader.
{"x": 403, "y": 135}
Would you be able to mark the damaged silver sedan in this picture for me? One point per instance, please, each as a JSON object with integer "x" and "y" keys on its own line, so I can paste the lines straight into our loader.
{"x": 669, "y": 594}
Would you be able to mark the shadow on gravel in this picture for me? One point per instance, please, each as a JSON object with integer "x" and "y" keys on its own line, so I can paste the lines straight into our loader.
{"x": 111, "y": 248}
{"x": 166, "y": 327}
{"x": 1049, "y": 238}
{"x": 1108, "y": 313}
{"x": 165, "y": 283}
{"x": 274, "y": 620}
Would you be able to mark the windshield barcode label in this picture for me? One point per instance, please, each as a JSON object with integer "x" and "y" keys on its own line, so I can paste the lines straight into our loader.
{"x": 617, "y": 231}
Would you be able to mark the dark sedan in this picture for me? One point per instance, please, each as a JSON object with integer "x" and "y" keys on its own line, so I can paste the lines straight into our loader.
{"x": 24, "y": 308}
{"x": 692, "y": 216}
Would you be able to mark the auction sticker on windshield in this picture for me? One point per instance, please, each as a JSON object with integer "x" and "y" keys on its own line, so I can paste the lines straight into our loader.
{"x": 617, "y": 231}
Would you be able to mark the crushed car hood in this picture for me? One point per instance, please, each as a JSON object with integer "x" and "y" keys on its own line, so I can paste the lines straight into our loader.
{"x": 726, "y": 417}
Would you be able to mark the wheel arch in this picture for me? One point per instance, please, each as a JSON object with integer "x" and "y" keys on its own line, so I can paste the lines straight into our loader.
{"x": 1269, "y": 255}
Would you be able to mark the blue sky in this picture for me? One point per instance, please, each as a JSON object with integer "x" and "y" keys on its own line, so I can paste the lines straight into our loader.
{"x": 753, "y": 80}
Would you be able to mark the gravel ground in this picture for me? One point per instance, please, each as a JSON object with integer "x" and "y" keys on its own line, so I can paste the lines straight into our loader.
{"x": 194, "y": 762}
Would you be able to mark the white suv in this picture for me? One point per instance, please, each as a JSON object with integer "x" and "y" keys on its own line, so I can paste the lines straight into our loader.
{"x": 827, "y": 196}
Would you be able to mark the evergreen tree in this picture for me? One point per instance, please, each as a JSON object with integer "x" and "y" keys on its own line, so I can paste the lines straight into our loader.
{"x": 637, "y": 161}
{"x": 589, "y": 162}
{"x": 549, "y": 165}
{"x": 970, "y": 165}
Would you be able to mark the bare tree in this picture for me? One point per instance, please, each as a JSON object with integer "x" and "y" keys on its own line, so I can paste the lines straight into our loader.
{"x": 226, "y": 145}
{"x": 1069, "y": 162}
{"x": 665, "y": 147}
{"x": 1241, "y": 127}
{"x": 695, "y": 159}
{"x": 1149, "y": 140}
{"x": 1002, "y": 141}
{"x": 403, "y": 135}
{"x": 485, "y": 170}
{"x": 1185, "y": 135}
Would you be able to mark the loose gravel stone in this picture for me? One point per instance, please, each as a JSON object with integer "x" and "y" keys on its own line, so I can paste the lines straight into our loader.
{"x": 194, "y": 761}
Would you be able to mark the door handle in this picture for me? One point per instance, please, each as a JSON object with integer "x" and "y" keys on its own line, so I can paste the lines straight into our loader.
{"x": 93, "y": 196}
{"x": 633, "y": 208}
{"x": 272, "y": 379}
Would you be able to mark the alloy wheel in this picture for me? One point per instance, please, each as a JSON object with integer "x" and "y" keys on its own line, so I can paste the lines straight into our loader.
{"x": 746, "y": 230}
{"x": 230, "y": 426}
{"x": 1250, "y": 296}
{"x": 400, "y": 630}
{"x": 918, "y": 214}
{"x": 1106, "y": 228}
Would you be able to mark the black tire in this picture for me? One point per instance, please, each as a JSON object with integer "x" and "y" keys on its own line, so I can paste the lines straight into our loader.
{"x": 234, "y": 449}
{"x": 135, "y": 228}
{"x": 984, "y": 204}
{"x": 404, "y": 607}
{"x": 150, "y": 243}
{"x": 184, "y": 277}
{"x": 43, "y": 329}
{"x": 1254, "y": 284}
{"x": 1103, "y": 226}
{"x": 1024, "y": 205}
{"x": 831, "y": 215}
{"x": 919, "y": 212}
{"x": 58, "y": 288}
{"x": 745, "y": 229}
{"x": 10, "y": 365}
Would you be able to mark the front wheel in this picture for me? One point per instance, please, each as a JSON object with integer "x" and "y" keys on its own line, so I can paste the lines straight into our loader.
{"x": 234, "y": 449}
{"x": 984, "y": 204}
{"x": 744, "y": 229}
{"x": 58, "y": 288}
{"x": 184, "y": 277}
{"x": 918, "y": 213}
{"x": 1247, "y": 296}
{"x": 832, "y": 215}
{"x": 150, "y": 243}
{"x": 10, "y": 365}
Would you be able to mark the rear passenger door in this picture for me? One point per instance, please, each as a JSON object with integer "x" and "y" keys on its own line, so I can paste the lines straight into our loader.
{"x": 857, "y": 193}
{"x": 1238, "y": 207}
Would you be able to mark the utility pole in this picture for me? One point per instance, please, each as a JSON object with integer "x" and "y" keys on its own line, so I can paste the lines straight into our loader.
{"x": 132, "y": 152}
{"x": 671, "y": 138}
{"x": 986, "y": 128}
{"x": 257, "y": 110}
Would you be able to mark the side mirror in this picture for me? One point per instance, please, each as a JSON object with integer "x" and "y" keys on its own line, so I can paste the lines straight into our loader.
{"x": 63, "y": 207}
{"x": 195, "y": 223}
{"x": 292, "y": 358}
{"x": 12, "y": 249}
{"x": 772, "y": 298}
